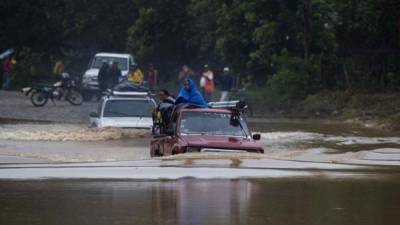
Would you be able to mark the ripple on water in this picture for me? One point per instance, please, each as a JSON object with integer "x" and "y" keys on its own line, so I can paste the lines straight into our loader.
{"x": 298, "y": 136}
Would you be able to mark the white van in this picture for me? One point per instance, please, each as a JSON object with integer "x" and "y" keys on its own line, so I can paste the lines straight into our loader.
{"x": 90, "y": 84}
{"x": 124, "y": 110}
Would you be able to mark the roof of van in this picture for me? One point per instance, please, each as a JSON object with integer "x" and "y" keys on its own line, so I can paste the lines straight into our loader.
{"x": 109, "y": 54}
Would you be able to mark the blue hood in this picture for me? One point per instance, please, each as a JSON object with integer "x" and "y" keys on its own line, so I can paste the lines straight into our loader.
{"x": 192, "y": 96}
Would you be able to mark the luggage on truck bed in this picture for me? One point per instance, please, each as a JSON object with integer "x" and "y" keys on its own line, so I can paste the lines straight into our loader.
{"x": 130, "y": 87}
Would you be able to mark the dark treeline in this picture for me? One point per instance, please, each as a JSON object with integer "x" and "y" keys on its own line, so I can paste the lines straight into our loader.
{"x": 290, "y": 47}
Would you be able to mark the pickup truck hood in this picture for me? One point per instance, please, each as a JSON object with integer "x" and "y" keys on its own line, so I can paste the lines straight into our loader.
{"x": 126, "y": 122}
{"x": 92, "y": 72}
{"x": 225, "y": 142}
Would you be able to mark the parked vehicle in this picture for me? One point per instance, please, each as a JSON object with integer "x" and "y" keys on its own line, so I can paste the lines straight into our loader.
{"x": 193, "y": 129}
{"x": 65, "y": 89}
{"x": 125, "y": 110}
{"x": 90, "y": 84}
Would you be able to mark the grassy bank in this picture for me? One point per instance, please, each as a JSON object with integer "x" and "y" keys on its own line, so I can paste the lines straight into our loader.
{"x": 378, "y": 110}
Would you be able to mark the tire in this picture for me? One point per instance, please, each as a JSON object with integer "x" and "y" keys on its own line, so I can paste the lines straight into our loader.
{"x": 155, "y": 152}
{"x": 39, "y": 99}
{"x": 158, "y": 153}
{"x": 74, "y": 97}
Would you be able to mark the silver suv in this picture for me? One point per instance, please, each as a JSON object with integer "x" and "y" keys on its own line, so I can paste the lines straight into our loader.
{"x": 124, "y": 109}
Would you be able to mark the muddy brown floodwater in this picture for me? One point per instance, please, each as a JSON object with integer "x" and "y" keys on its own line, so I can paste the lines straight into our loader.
{"x": 305, "y": 140}
{"x": 371, "y": 199}
{"x": 294, "y": 201}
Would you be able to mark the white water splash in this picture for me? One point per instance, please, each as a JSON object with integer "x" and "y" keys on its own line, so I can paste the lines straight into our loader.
{"x": 353, "y": 140}
{"x": 272, "y": 138}
{"x": 63, "y": 132}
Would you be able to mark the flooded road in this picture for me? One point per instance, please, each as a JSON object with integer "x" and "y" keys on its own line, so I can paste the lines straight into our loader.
{"x": 230, "y": 189}
{"x": 289, "y": 139}
{"x": 326, "y": 141}
{"x": 188, "y": 201}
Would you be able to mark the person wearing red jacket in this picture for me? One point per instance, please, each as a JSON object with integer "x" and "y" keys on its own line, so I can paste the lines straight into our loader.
{"x": 152, "y": 75}
{"x": 7, "y": 69}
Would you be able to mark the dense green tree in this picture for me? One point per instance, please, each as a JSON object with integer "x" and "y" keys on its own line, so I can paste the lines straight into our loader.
{"x": 158, "y": 34}
{"x": 322, "y": 44}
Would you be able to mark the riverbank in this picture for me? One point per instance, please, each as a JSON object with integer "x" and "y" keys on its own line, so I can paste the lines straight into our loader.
{"x": 381, "y": 111}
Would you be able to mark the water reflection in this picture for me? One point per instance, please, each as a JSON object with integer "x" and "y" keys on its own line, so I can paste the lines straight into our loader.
{"x": 214, "y": 202}
{"x": 189, "y": 201}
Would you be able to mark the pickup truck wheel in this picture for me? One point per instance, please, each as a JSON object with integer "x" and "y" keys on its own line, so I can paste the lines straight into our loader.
{"x": 156, "y": 153}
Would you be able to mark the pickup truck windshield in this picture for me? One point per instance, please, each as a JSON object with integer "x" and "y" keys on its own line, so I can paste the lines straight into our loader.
{"x": 128, "y": 108}
{"x": 122, "y": 62}
{"x": 211, "y": 123}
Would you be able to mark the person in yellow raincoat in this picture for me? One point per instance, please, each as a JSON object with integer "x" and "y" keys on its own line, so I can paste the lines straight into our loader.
{"x": 58, "y": 68}
{"x": 135, "y": 75}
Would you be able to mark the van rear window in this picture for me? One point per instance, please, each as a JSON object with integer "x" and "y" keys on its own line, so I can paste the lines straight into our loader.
{"x": 128, "y": 108}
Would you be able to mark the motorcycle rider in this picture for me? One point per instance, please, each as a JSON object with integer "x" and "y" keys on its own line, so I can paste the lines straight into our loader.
{"x": 58, "y": 69}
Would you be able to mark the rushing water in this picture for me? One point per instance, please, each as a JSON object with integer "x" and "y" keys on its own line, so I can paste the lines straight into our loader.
{"x": 347, "y": 200}
{"x": 323, "y": 140}
{"x": 283, "y": 201}
{"x": 311, "y": 140}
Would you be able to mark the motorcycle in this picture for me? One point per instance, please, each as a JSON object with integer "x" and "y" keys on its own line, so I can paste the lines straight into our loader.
{"x": 66, "y": 89}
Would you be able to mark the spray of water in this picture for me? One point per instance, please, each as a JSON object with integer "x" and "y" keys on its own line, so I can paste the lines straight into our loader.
{"x": 65, "y": 133}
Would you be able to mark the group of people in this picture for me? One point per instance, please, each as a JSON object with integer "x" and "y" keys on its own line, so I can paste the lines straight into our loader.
{"x": 190, "y": 94}
{"x": 187, "y": 94}
{"x": 110, "y": 76}
{"x": 207, "y": 81}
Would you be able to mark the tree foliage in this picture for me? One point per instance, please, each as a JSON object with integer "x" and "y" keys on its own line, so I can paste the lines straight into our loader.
{"x": 295, "y": 47}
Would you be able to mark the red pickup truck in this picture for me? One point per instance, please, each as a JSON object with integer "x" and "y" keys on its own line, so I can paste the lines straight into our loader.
{"x": 205, "y": 130}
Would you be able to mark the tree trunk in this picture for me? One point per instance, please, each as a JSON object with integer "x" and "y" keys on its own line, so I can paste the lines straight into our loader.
{"x": 346, "y": 76}
{"x": 307, "y": 14}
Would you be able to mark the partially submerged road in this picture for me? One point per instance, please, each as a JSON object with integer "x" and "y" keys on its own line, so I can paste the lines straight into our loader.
{"x": 60, "y": 134}
{"x": 172, "y": 169}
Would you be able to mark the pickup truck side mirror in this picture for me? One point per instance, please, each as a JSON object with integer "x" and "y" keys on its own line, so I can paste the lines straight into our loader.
{"x": 256, "y": 137}
{"x": 94, "y": 114}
